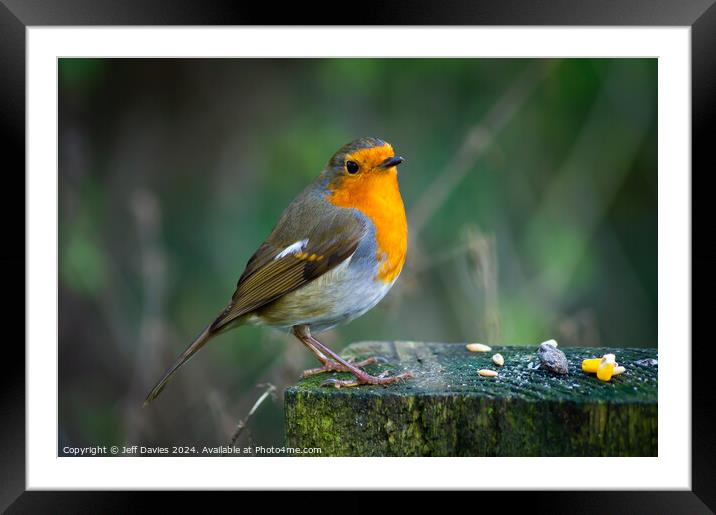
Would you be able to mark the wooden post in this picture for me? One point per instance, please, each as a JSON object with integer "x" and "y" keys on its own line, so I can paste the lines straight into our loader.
{"x": 450, "y": 410}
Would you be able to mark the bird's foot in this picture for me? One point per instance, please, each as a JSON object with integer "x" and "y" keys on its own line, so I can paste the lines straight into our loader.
{"x": 364, "y": 378}
{"x": 332, "y": 366}
{"x": 329, "y": 366}
{"x": 332, "y": 362}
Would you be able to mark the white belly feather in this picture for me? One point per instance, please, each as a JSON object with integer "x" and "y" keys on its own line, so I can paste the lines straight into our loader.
{"x": 340, "y": 295}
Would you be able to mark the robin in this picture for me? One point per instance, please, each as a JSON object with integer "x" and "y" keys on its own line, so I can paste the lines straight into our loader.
{"x": 335, "y": 252}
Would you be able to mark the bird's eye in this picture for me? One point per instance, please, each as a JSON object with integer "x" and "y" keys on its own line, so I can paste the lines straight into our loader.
{"x": 352, "y": 167}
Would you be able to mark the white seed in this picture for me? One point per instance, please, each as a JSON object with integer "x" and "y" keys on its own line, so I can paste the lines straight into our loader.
{"x": 498, "y": 360}
{"x": 553, "y": 343}
{"x": 609, "y": 358}
{"x": 487, "y": 373}
{"x": 478, "y": 347}
{"x": 618, "y": 370}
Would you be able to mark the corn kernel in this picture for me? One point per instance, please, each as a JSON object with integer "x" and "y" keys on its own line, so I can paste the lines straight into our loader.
{"x": 478, "y": 347}
{"x": 487, "y": 373}
{"x": 498, "y": 360}
{"x": 606, "y": 367}
{"x": 591, "y": 365}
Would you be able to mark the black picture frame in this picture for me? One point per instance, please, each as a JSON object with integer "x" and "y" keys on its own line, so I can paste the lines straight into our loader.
{"x": 17, "y": 15}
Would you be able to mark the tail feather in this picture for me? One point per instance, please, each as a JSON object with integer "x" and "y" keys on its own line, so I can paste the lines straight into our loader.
{"x": 197, "y": 344}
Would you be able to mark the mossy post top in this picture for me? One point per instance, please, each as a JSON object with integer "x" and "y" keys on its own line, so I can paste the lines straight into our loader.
{"x": 449, "y": 368}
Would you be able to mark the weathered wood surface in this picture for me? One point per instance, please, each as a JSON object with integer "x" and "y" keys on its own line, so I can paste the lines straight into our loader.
{"x": 449, "y": 410}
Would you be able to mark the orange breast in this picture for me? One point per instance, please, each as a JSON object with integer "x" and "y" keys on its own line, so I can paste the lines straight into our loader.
{"x": 376, "y": 195}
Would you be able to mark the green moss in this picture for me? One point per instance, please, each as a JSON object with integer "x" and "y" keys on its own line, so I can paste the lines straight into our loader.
{"x": 449, "y": 410}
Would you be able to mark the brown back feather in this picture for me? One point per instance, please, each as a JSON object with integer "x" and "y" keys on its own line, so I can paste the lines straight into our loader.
{"x": 267, "y": 278}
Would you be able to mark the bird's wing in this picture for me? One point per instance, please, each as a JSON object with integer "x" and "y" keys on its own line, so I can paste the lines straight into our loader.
{"x": 280, "y": 265}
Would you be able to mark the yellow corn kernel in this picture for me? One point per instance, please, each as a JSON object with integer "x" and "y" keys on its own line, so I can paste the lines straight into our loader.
{"x": 478, "y": 347}
{"x": 606, "y": 367}
{"x": 498, "y": 360}
{"x": 487, "y": 373}
{"x": 591, "y": 365}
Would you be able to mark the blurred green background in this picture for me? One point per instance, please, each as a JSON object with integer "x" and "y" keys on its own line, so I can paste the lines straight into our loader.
{"x": 530, "y": 187}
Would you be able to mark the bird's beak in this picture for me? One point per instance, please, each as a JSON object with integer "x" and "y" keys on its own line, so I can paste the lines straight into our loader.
{"x": 391, "y": 161}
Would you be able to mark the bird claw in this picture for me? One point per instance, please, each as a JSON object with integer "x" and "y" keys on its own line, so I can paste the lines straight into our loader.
{"x": 368, "y": 361}
{"x": 338, "y": 383}
{"x": 383, "y": 378}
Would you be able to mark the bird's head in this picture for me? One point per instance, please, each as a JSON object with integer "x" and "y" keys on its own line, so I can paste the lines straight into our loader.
{"x": 361, "y": 160}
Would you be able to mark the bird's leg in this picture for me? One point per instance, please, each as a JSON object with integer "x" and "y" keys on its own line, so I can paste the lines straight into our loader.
{"x": 341, "y": 365}
{"x": 328, "y": 365}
